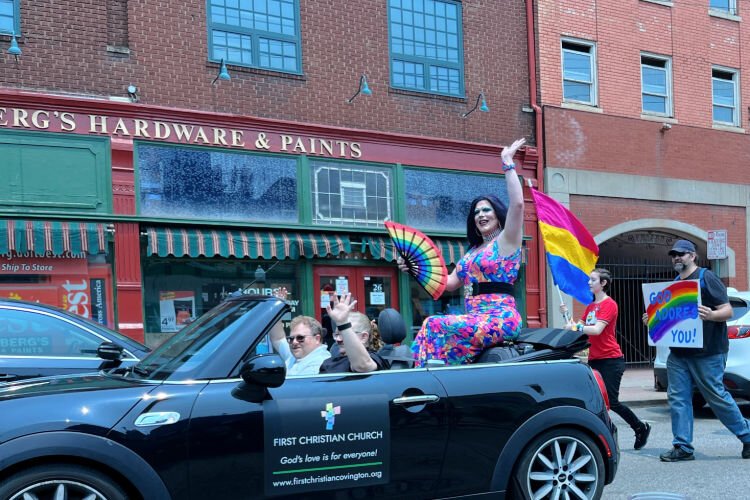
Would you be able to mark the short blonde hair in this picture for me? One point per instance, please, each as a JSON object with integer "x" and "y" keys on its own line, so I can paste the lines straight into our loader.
{"x": 315, "y": 327}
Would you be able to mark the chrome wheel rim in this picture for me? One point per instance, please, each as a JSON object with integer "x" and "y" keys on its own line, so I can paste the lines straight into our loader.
{"x": 563, "y": 468}
{"x": 58, "y": 489}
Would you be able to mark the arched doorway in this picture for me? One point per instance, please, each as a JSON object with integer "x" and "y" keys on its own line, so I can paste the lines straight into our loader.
{"x": 633, "y": 258}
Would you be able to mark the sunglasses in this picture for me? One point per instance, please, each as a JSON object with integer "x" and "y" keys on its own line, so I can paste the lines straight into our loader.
{"x": 678, "y": 254}
{"x": 298, "y": 338}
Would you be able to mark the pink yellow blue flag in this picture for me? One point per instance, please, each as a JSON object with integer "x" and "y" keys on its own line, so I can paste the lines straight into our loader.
{"x": 571, "y": 250}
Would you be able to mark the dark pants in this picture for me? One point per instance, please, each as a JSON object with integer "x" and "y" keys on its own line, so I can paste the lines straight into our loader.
{"x": 611, "y": 371}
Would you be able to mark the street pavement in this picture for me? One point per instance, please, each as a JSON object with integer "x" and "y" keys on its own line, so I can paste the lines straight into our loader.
{"x": 637, "y": 388}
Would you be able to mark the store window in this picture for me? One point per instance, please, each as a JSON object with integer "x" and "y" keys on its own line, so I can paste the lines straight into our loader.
{"x": 351, "y": 195}
{"x": 197, "y": 183}
{"x": 177, "y": 291}
{"x": 432, "y": 207}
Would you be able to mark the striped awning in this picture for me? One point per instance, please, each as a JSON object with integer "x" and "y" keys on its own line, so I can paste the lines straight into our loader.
{"x": 37, "y": 238}
{"x": 164, "y": 241}
{"x": 381, "y": 247}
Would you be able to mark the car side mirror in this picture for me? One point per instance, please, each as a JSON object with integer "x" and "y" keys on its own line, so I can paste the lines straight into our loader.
{"x": 109, "y": 351}
{"x": 265, "y": 370}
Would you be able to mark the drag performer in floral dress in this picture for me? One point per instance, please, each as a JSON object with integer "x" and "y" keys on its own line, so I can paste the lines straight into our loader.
{"x": 490, "y": 268}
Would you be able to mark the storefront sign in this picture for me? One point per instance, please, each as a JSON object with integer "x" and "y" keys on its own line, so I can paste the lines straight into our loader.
{"x": 19, "y": 266}
{"x": 181, "y": 133}
{"x": 717, "y": 244}
{"x": 98, "y": 301}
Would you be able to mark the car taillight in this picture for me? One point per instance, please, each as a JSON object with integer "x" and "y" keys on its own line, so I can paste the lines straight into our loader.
{"x": 738, "y": 331}
{"x": 602, "y": 387}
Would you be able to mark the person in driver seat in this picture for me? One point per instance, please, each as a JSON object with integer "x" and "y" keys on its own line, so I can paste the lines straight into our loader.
{"x": 356, "y": 339}
{"x": 305, "y": 350}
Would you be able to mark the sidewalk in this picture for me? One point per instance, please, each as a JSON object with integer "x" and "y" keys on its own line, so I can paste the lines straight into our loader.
{"x": 637, "y": 388}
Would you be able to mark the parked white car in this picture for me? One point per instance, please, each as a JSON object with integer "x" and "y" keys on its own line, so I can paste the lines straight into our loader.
{"x": 737, "y": 373}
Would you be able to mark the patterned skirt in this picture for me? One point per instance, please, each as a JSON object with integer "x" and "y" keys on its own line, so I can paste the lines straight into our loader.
{"x": 458, "y": 339}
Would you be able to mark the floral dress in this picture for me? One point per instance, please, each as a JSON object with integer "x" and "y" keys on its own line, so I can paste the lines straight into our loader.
{"x": 489, "y": 319}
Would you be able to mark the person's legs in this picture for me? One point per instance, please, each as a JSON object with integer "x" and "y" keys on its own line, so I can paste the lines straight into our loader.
{"x": 680, "y": 397}
{"x": 611, "y": 371}
{"x": 708, "y": 372}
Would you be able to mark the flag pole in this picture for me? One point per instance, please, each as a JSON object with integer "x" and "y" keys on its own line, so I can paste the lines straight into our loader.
{"x": 566, "y": 316}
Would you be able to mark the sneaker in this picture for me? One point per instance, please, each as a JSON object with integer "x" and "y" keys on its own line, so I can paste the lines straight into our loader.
{"x": 745, "y": 450}
{"x": 676, "y": 454}
{"x": 641, "y": 436}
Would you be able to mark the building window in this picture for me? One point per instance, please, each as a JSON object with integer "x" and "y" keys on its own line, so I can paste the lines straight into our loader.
{"x": 198, "y": 183}
{"x": 579, "y": 71}
{"x": 656, "y": 85}
{"x": 725, "y": 96}
{"x": 426, "y": 46}
{"x": 351, "y": 195}
{"x": 432, "y": 207}
{"x": 728, "y": 6}
{"x": 256, "y": 33}
{"x": 9, "y": 19}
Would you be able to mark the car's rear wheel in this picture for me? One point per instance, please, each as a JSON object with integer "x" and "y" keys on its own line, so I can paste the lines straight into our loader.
{"x": 71, "y": 482}
{"x": 561, "y": 463}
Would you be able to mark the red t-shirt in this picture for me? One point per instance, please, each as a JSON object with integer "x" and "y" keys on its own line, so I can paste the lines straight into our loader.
{"x": 604, "y": 345}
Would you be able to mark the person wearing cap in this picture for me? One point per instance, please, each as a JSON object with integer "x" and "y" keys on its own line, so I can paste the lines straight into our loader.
{"x": 701, "y": 367}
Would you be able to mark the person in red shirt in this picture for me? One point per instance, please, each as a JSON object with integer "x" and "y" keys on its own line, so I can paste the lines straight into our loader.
{"x": 605, "y": 356}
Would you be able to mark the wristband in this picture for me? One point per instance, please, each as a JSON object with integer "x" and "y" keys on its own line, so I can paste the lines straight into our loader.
{"x": 511, "y": 166}
{"x": 343, "y": 327}
{"x": 579, "y": 327}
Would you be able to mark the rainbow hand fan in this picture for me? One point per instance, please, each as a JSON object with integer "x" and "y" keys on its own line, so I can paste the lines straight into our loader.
{"x": 422, "y": 257}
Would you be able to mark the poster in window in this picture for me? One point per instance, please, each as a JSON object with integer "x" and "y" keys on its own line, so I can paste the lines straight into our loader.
{"x": 176, "y": 309}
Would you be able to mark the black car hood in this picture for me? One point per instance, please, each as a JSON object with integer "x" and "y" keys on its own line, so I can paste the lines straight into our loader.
{"x": 93, "y": 403}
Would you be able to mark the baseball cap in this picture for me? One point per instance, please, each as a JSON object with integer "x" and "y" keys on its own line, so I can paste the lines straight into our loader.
{"x": 682, "y": 246}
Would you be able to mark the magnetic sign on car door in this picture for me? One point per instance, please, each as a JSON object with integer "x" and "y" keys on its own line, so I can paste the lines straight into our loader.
{"x": 326, "y": 443}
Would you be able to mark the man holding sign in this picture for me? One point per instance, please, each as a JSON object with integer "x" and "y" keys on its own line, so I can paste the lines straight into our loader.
{"x": 701, "y": 366}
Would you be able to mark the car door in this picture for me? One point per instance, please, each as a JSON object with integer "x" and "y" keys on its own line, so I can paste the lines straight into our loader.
{"x": 36, "y": 343}
{"x": 329, "y": 436}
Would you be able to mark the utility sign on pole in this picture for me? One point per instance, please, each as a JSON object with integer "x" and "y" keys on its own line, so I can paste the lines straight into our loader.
{"x": 717, "y": 244}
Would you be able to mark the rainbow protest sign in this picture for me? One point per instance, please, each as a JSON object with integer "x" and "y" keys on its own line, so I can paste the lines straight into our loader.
{"x": 672, "y": 309}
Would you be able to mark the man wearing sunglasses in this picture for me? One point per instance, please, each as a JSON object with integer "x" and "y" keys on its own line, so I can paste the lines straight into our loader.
{"x": 304, "y": 350}
{"x": 701, "y": 367}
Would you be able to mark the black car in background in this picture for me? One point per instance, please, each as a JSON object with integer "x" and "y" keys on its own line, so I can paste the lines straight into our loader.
{"x": 38, "y": 340}
{"x": 211, "y": 414}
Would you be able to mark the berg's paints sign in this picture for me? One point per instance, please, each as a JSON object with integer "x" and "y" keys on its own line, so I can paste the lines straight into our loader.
{"x": 181, "y": 133}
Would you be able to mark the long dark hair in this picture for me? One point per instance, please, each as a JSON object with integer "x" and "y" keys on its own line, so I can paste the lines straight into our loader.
{"x": 501, "y": 211}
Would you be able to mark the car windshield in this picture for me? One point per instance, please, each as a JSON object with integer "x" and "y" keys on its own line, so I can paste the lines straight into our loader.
{"x": 185, "y": 352}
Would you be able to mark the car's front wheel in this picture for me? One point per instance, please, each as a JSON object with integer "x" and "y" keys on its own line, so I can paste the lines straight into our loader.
{"x": 561, "y": 463}
{"x": 71, "y": 482}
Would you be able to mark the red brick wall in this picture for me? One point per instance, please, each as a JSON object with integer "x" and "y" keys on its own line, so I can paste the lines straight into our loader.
{"x": 600, "y": 214}
{"x": 64, "y": 49}
{"x": 622, "y": 30}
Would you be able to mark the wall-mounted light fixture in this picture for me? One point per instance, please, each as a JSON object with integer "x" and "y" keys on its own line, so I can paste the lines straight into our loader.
{"x": 223, "y": 73}
{"x": 363, "y": 89}
{"x": 133, "y": 93}
{"x": 14, "y": 49}
{"x": 483, "y": 107}
{"x": 665, "y": 126}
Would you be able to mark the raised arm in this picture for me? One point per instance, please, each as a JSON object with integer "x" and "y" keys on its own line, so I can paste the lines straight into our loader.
{"x": 512, "y": 235}
{"x": 359, "y": 358}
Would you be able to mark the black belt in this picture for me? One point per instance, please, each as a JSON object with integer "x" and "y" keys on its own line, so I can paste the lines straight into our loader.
{"x": 492, "y": 287}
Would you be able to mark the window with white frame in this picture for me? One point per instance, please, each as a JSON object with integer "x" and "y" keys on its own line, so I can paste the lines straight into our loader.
{"x": 725, "y": 96}
{"x": 579, "y": 71}
{"x": 9, "y": 17}
{"x": 350, "y": 195}
{"x": 728, "y": 6}
{"x": 256, "y": 33}
{"x": 656, "y": 85}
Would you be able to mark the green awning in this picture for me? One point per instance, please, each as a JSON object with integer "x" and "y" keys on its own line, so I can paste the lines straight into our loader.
{"x": 38, "y": 238}
{"x": 381, "y": 247}
{"x": 164, "y": 241}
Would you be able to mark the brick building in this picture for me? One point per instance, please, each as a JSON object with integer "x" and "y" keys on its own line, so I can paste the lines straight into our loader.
{"x": 645, "y": 134}
{"x": 117, "y": 123}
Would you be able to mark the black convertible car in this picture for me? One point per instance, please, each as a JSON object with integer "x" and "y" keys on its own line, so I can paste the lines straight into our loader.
{"x": 211, "y": 414}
